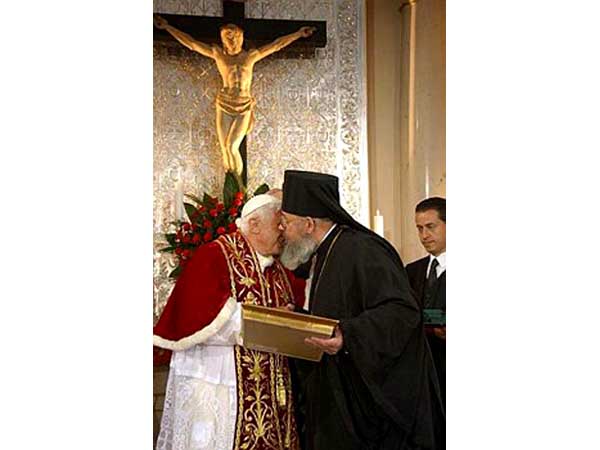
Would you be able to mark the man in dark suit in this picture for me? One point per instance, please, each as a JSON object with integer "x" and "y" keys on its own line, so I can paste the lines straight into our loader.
{"x": 427, "y": 276}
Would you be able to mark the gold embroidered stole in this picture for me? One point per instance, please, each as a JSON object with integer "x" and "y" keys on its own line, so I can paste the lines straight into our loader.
{"x": 265, "y": 414}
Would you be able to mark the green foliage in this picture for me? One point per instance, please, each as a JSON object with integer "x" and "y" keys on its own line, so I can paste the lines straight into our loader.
{"x": 191, "y": 211}
{"x": 262, "y": 189}
{"x": 230, "y": 188}
{"x": 207, "y": 200}
{"x": 193, "y": 198}
{"x": 175, "y": 272}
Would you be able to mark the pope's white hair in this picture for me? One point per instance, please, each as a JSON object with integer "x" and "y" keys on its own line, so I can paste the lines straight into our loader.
{"x": 260, "y": 214}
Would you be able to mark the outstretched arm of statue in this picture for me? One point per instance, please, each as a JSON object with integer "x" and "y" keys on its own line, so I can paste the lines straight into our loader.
{"x": 184, "y": 38}
{"x": 283, "y": 42}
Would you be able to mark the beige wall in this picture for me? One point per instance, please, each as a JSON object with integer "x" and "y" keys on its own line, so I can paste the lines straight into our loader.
{"x": 406, "y": 112}
{"x": 383, "y": 73}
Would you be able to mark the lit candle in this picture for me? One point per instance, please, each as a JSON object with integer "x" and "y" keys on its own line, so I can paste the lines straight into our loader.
{"x": 378, "y": 224}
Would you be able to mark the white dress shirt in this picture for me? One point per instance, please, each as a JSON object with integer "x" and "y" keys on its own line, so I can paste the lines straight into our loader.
{"x": 441, "y": 267}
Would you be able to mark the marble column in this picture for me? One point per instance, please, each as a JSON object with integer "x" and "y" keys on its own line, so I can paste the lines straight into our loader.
{"x": 422, "y": 114}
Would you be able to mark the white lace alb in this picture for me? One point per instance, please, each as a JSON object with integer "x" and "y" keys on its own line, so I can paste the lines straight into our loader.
{"x": 201, "y": 399}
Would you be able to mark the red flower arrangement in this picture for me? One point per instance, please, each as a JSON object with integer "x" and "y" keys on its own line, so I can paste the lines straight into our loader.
{"x": 209, "y": 219}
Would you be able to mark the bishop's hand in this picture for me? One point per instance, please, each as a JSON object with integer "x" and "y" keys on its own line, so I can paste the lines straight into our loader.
{"x": 440, "y": 332}
{"x": 330, "y": 346}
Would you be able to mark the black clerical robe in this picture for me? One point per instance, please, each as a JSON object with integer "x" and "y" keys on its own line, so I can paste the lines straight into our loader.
{"x": 377, "y": 392}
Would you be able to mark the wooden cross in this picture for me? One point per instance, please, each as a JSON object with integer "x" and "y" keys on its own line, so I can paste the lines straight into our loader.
{"x": 257, "y": 32}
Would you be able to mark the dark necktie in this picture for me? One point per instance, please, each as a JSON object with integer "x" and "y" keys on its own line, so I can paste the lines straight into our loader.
{"x": 431, "y": 279}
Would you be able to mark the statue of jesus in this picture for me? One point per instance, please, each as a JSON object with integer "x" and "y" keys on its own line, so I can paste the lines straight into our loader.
{"x": 234, "y": 102}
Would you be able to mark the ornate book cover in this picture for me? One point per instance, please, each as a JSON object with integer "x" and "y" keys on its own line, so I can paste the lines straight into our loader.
{"x": 283, "y": 332}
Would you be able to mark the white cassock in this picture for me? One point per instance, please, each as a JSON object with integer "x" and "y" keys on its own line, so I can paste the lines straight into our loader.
{"x": 201, "y": 398}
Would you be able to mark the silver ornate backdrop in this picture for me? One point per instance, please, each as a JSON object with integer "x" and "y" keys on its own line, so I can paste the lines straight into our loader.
{"x": 310, "y": 114}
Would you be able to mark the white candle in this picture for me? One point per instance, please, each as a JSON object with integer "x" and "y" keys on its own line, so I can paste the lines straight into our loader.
{"x": 179, "y": 209}
{"x": 378, "y": 224}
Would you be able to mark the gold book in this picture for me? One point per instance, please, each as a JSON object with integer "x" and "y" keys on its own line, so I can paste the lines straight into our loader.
{"x": 281, "y": 331}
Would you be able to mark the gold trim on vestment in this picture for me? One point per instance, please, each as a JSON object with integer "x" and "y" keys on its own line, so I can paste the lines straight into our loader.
{"x": 264, "y": 420}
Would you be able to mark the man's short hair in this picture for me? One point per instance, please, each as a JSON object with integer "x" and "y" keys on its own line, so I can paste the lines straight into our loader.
{"x": 433, "y": 203}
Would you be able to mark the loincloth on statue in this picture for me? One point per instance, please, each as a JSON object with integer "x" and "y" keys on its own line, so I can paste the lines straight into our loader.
{"x": 235, "y": 105}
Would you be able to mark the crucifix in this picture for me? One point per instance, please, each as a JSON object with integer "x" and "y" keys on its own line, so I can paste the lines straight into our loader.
{"x": 234, "y": 102}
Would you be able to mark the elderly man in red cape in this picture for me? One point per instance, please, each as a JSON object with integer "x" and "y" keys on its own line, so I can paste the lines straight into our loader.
{"x": 221, "y": 395}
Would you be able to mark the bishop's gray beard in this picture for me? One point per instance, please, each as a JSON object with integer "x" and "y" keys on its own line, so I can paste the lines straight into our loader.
{"x": 296, "y": 253}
